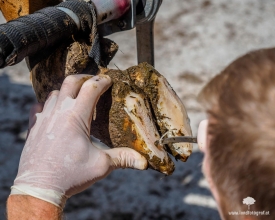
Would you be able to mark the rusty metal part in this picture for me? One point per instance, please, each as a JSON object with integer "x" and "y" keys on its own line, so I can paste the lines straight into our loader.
{"x": 145, "y": 42}
{"x": 13, "y": 9}
{"x": 145, "y": 31}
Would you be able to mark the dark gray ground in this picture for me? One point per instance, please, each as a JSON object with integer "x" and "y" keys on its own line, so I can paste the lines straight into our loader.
{"x": 195, "y": 40}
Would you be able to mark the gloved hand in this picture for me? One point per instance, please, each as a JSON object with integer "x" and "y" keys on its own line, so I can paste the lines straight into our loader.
{"x": 59, "y": 159}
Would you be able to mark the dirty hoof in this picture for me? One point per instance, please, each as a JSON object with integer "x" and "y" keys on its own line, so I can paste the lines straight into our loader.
{"x": 141, "y": 107}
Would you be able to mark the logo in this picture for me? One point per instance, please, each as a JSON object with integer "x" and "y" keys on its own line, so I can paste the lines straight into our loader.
{"x": 249, "y": 201}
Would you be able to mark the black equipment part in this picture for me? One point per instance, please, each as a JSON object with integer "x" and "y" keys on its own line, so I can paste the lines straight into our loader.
{"x": 42, "y": 30}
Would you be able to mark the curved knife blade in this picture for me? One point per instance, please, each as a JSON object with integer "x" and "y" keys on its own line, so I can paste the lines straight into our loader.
{"x": 186, "y": 139}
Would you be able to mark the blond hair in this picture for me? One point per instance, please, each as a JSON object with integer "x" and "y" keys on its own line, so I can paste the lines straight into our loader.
{"x": 241, "y": 103}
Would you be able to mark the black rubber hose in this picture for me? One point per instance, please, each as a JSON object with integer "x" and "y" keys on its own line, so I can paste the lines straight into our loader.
{"x": 45, "y": 28}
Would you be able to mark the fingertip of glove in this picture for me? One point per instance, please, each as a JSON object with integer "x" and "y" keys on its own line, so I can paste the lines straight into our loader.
{"x": 141, "y": 164}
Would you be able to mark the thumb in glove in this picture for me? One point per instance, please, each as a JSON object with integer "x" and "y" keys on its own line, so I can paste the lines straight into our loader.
{"x": 59, "y": 158}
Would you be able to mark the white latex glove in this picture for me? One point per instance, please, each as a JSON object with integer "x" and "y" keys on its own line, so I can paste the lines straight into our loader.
{"x": 59, "y": 159}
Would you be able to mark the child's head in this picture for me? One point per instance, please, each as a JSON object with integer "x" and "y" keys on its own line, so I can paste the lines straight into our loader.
{"x": 240, "y": 147}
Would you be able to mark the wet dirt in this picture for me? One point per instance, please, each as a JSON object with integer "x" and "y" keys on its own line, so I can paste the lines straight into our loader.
{"x": 66, "y": 60}
{"x": 122, "y": 131}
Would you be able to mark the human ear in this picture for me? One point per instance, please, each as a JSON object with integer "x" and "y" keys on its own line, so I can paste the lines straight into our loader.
{"x": 202, "y": 135}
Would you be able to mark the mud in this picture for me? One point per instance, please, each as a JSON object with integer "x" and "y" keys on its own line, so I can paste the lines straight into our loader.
{"x": 142, "y": 81}
{"x": 66, "y": 60}
{"x": 122, "y": 131}
{"x": 147, "y": 78}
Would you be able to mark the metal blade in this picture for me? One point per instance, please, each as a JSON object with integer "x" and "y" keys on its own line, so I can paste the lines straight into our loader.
{"x": 145, "y": 42}
{"x": 179, "y": 139}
